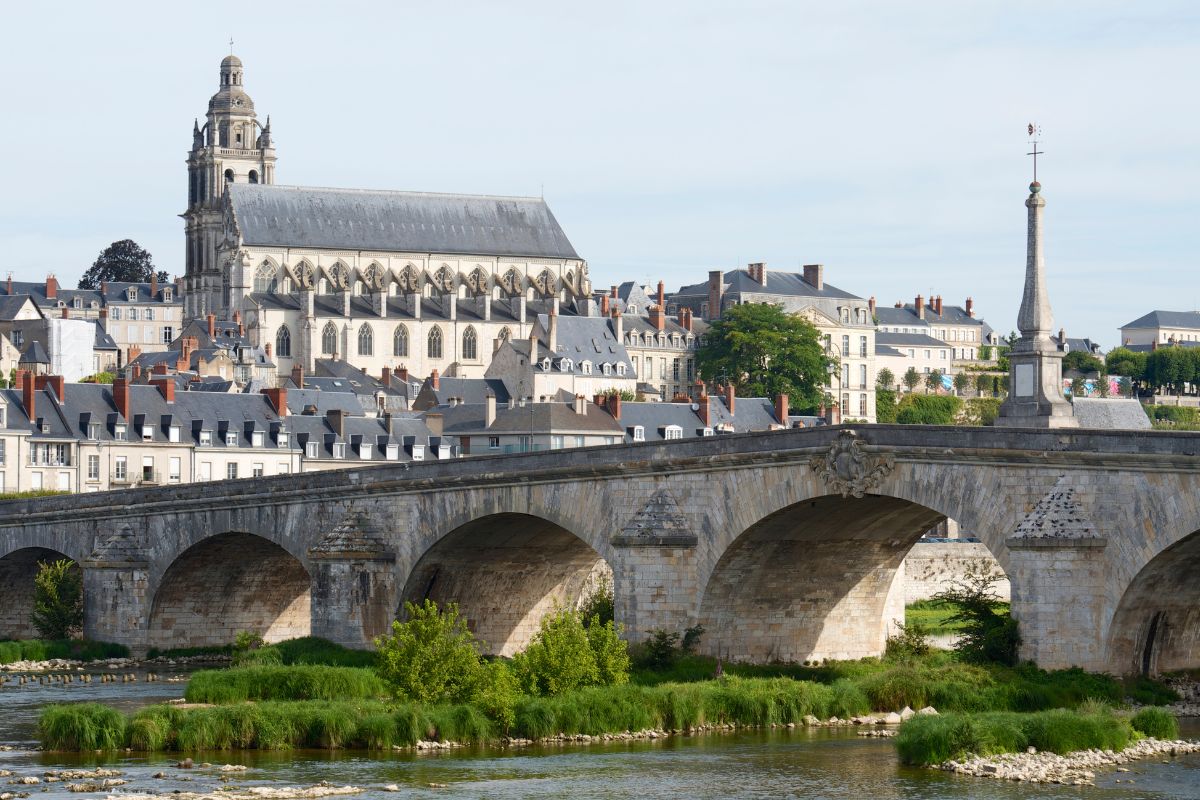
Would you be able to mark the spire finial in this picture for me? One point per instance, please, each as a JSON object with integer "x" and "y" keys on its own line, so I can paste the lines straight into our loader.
{"x": 230, "y": 45}
{"x": 1035, "y": 133}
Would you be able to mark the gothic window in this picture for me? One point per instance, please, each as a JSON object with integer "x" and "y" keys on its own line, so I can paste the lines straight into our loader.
{"x": 409, "y": 280}
{"x": 339, "y": 276}
{"x": 478, "y": 282}
{"x": 470, "y": 349}
{"x": 253, "y": 176}
{"x": 444, "y": 279}
{"x": 283, "y": 342}
{"x": 373, "y": 277}
{"x": 264, "y": 278}
{"x": 400, "y": 341}
{"x": 511, "y": 283}
{"x": 229, "y": 176}
{"x": 329, "y": 339}
{"x": 304, "y": 275}
{"x": 366, "y": 342}
{"x": 435, "y": 343}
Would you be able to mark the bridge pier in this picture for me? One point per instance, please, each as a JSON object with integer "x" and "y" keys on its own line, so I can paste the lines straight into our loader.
{"x": 353, "y": 584}
{"x": 1060, "y": 597}
{"x": 116, "y": 596}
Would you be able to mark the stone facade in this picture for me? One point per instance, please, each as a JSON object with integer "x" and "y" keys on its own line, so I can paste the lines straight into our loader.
{"x": 783, "y": 544}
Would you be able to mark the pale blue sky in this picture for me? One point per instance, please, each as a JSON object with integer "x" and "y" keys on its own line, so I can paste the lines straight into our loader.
{"x": 884, "y": 140}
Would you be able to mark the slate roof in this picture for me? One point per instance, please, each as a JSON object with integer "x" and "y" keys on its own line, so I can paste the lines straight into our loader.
{"x": 115, "y": 294}
{"x": 752, "y": 414}
{"x": 1149, "y": 348}
{"x": 1110, "y": 414}
{"x": 469, "y": 390}
{"x": 361, "y": 219}
{"x": 907, "y": 315}
{"x": 11, "y": 305}
{"x": 581, "y": 339}
{"x": 1166, "y": 319}
{"x": 34, "y": 354}
{"x": 738, "y": 281}
{"x": 538, "y": 418}
{"x": 103, "y": 341}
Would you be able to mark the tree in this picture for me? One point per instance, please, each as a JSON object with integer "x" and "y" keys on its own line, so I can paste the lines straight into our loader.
{"x": 765, "y": 352}
{"x": 961, "y": 382}
{"x": 985, "y": 352}
{"x": 983, "y": 384}
{"x": 1102, "y": 387}
{"x": 885, "y": 379}
{"x": 431, "y": 657}
{"x": 933, "y": 380}
{"x": 912, "y": 379}
{"x": 122, "y": 261}
{"x": 58, "y": 599}
{"x": 885, "y": 405}
{"x": 924, "y": 409}
{"x": 1123, "y": 361}
{"x": 566, "y": 654}
{"x": 1078, "y": 387}
{"x": 1082, "y": 361}
{"x": 989, "y": 633}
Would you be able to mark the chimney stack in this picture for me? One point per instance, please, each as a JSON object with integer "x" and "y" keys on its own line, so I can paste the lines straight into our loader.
{"x": 153, "y": 285}
{"x": 434, "y": 422}
{"x": 658, "y": 318}
{"x": 612, "y": 292}
{"x": 814, "y": 275}
{"x": 702, "y": 401}
{"x": 212, "y": 326}
{"x": 970, "y": 308}
{"x": 9, "y": 290}
{"x": 604, "y": 305}
{"x": 533, "y": 349}
{"x": 66, "y": 312}
{"x": 614, "y": 406}
{"x": 28, "y": 394}
{"x": 278, "y": 400}
{"x": 51, "y": 287}
{"x": 298, "y": 375}
{"x": 337, "y": 421}
{"x": 730, "y": 398}
{"x": 618, "y": 329}
{"x": 581, "y": 405}
{"x": 434, "y": 380}
{"x": 401, "y": 372}
{"x": 103, "y": 289}
{"x": 871, "y": 305}
{"x": 662, "y": 295}
{"x": 385, "y": 377}
{"x": 120, "y": 392}
{"x": 55, "y": 383}
{"x": 938, "y": 307}
{"x": 781, "y": 409}
{"x": 758, "y": 272}
{"x": 685, "y": 318}
{"x": 489, "y": 409}
{"x": 553, "y": 332}
{"x": 919, "y": 305}
{"x": 716, "y": 293}
{"x": 166, "y": 387}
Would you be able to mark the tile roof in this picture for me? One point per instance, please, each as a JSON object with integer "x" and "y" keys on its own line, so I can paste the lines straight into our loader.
{"x": 360, "y": 219}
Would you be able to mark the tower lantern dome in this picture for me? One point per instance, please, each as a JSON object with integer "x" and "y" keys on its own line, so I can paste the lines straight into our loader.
{"x": 231, "y": 98}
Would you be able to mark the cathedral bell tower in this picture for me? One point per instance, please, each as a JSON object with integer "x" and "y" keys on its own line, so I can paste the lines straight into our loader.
{"x": 231, "y": 147}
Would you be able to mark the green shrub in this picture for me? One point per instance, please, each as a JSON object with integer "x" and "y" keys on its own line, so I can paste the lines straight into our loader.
{"x": 240, "y": 684}
{"x": 598, "y": 604}
{"x": 58, "y": 599}
{"x": 927, "y": 409}
{"x": 497, "y": 692}
{"x": 1157, "y": 723}
{"x": 989, "y": 633}
{"x": 660, "y": 650}
{"x": 559, "y": 658}
{"x": 81, "y": 726}
{"x": 431, "y": 657}
{"x": 1148, "y": 692}
{"x": 935, "y": 739}
{"x": 910, "y": 642}
{"x": 74, "y": 649}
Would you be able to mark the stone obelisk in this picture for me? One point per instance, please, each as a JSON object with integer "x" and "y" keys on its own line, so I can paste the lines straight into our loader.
{"x": 1035, "y": 392}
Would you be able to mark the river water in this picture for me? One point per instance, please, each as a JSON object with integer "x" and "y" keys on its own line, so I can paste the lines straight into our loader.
{"x": 774, "y": 764}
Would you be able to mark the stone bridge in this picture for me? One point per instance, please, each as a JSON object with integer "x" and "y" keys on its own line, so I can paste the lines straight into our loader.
{"x": 785, "y": 545}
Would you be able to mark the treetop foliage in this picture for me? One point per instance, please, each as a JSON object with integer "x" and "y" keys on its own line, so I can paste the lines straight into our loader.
{"x": 121, "y": 262}
{"x": 764, "y": 351}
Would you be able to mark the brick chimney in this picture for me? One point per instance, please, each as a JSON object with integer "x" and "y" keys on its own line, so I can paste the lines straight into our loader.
{"x": 716, "y": 293}
{"x": 401, "y": 373}
{"x": 153, "y": 285}
{"x": 55, "y": 383}
{"x": 104, "y": 319}
{"x": 919, "y": 305}
{"x": 938, "y": 307}
{"x": 970, "y": 308}
{"x": 212, "y": 326}
{"x": 51, "y": 287}
{"x": 278, "y": 400}
{"x": 730, "y": 398}
{"x": 385, "y": 377}
{"x": 104, "y": 289}
{"x": 814, "y": 275}
{"x": 159, "y": 369}
{"x": 604, "y": 306}
{"x": 658, "y": 318}
{"x": 66, "y": 312}
{"x": 618, "y": 329}
{"x": 120, "y": 393}
{"x": 298, "y": 375}
{"x": 28, "y": 394}
{"x": 166, "y": 388}
{"x": 685, "y": 319}
{"x": 781, "y": 409}
{"x": 614, "y": 406}
{"x": 871, "y": 305}
{"x": 134, "y": 351}
{"x": 434, "y": 381}
{"x": 136, "y": 371}
{"x": 662, "y": 295}
{"x": 702, "y": 401}
{"x": 758, "y": 272}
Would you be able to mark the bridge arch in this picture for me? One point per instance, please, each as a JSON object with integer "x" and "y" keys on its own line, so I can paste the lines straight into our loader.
{"x": 17, "y": 572}
{"x": 228, "y": 583}
{"x": 506, "y": 570}
{"x": 1156, "y": 626}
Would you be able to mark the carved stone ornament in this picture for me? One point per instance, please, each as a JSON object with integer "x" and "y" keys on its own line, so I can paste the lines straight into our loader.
{"x": 848, "y": 470}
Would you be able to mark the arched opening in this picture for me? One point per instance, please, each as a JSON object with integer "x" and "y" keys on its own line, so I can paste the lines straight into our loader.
{"x": 506, "y": 572}
{"x": 329, "y": 339}
{"x": 229, "y": 176}
{"x": 253, "y": 176}
{"x": 470, "y": 347}
{"x": 17, "y": 572}
{"x": 366, "y": 341}
{"x": 434, "y": 348}
{"x": 227, "y": 584}
{"x": 400, "y": 341}
{"x": 822, "y": 578}
{"x": 283, "y": 342}
{"x": 1156, "y": 627}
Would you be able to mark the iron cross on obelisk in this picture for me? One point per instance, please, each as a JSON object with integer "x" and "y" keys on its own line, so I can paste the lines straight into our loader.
{"x": 1035, "y": 131}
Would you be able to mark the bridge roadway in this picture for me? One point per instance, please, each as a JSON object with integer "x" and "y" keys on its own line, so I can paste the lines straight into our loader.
{"x": 783, "y": 545}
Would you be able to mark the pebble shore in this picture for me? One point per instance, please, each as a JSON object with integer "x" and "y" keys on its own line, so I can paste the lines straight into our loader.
{"x": 1073, "y": 769}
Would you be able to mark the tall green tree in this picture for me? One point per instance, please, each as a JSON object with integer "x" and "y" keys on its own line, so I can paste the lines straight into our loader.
{"x": 122, "y": 261}
{"x": 912, "y": 379}
{"x": 58, "y": 599}
{"x": 1123, "y": 361}
{"x": 961, "y": 382}
{"x": 765, "y": 352}
{"x": 983, "y": 384}
{"x": 933, "y": 381}
{"x": 885, "y": 379}
{"x": 1081, "y": 361}
{"x": 1102, "y": 387}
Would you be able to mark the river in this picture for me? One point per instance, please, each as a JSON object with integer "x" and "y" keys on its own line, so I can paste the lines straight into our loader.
{"x": 816, "y": 763}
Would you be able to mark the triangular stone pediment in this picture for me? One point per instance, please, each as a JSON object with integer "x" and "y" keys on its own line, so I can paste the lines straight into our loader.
{"x": 1057, "y": 516}
{"x": 660, "y": 523}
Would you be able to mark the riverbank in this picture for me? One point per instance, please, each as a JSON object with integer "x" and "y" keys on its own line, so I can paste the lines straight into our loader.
{"x": 1076, "y": 768}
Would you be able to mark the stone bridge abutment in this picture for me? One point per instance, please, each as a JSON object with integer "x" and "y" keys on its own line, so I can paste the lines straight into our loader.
{"x": 783, "y": 545}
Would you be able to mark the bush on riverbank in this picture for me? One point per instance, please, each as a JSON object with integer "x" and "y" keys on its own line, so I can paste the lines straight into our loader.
{"x": 82, "y": 726}
{"x": 565, "y": 655}
{"x": 240, "y": 684}
{"x": 935, "y": 739}
{"x": 73, "y": 649}
{"x": 1157, "y": 723}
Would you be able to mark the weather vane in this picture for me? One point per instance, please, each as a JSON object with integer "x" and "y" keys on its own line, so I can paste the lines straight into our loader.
{"x": 1035, "y": 133}
{"x": 230, "y": 45}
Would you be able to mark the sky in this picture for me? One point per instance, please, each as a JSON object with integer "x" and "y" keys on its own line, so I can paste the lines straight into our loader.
{"x": 884, "y": 140}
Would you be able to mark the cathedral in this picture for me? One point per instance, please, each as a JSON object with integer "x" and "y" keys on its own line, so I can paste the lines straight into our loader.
{"x": 380, "y": 279}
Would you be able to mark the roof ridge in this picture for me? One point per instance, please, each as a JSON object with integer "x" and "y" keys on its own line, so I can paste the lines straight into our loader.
{"x": 353, "y": 190}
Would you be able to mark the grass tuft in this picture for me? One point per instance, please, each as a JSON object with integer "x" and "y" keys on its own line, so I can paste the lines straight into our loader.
{"x": 284, "y": 683}
{"x": 82, "y": 726}
{"x": 1157, "y": 723}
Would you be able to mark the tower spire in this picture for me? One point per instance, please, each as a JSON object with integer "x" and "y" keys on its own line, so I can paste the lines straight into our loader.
{"x": 1035, "y": 392}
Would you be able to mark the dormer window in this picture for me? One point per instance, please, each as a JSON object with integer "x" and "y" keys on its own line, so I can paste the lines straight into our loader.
{"x": 639, "y": 433}
{"x": 339, "y": 449}
{"x": 673, "y": 432}
{"x": 606, "y": 368}
{"x": 310, "y": 450}
{"x": 565, "y": 365}
{"x": 147, "y": 433}
{"x": 256, "y": 439}
{"x": 706, "y": 432}
{"x": 77, "y": 302}
{"x": 119, "y": 433}
{"x": 631, "y": 310}
{"x": 93, "y": 431}
{"x": 364, "y": 452}
{"x": 173, "y": 434}
{"x": 282, "y": 439}
{"x": 546, "y": 364}
{"x": 131, "y": 293}
{"x": 585, "y": 367}
{"x": 418, "y": 453}
{"x": 206, "y": 438}
{"x": 231, "y": 439}
{"x": 621, "y": 370}
{"x": 393, "y": 452}
{"x": 168, "y": 292}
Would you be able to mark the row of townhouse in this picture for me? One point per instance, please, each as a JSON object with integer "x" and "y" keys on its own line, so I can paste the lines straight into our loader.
{"x": 78, "y": 437}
